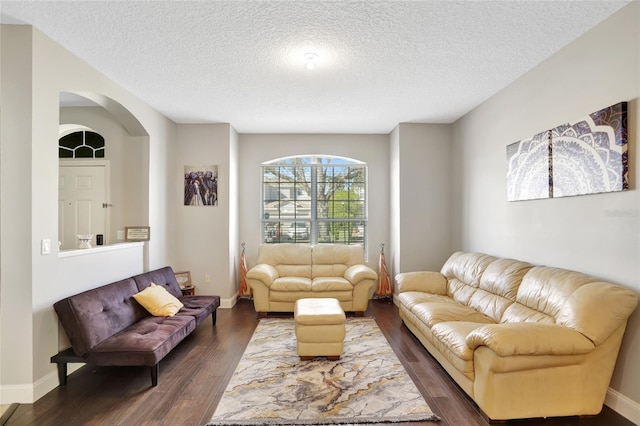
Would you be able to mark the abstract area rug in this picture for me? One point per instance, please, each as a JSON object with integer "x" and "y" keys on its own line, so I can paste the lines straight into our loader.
{"x": 368, "y": 384}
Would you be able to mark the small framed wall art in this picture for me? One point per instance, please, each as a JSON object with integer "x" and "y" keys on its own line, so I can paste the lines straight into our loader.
{"x": 201, "y": 185}
{"x": 184, "y": 279}
{"x": 137, "y": 233}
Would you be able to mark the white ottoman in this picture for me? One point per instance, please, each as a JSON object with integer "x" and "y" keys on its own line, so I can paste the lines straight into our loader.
{"x": 320, "y": 328}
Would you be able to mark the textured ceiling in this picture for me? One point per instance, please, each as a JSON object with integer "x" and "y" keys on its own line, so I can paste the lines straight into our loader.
{"x": 379, "y": 63}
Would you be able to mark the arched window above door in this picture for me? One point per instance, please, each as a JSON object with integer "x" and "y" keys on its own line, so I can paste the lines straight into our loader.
{"x": 81, "y": 144}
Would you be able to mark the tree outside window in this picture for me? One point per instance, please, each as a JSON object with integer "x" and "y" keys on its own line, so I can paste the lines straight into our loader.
{"x": 312, "y": 199}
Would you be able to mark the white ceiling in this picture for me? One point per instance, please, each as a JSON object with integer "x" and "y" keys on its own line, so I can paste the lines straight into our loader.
{"x": 379, "y": 63}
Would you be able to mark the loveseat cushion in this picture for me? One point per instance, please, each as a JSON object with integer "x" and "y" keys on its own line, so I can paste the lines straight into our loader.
{"x": 333, "y": 260}
{"x": 290, "y": 260}
{"x": 144, "y": 343}
{"x": 331, "y": 284}
{"x": 264, "y": 273}
{"x": 291, "y": 284}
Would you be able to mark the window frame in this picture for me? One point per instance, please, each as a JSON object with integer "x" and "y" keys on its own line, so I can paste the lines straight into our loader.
{"x": 275, "y": 230}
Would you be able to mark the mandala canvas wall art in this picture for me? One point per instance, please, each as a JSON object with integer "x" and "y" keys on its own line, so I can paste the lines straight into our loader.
{"x": 587, "y": 156}
{"x": 590, "y": 155}
{"x": 528, "y": 168}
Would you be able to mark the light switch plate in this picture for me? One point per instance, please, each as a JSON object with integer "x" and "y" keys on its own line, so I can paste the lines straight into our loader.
{"x": 45, "y": 247}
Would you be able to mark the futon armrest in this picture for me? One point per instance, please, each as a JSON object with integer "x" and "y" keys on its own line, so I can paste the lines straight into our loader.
{"x": 356, "y": 273}
{"x": 424, "y": 281}
{"x": 263, "y": 272}
{"x": 529, "y": 338}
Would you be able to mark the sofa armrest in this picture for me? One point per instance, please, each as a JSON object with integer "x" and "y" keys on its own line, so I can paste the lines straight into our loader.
{"x": 529, "y": 338}
{"x": 356, "y": 273}
{"x": 424, "y": 281}
{"x": 263, "y": 272}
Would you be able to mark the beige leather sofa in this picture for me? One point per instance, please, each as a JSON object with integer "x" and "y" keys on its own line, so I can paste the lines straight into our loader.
{"x": 521, "y": 340}
{"x": 288, "y": 272}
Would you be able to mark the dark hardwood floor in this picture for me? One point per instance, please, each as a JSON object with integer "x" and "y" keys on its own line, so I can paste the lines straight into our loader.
{"x": 194, "y": 375}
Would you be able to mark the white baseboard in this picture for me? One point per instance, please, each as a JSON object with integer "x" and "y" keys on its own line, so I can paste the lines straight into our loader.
{"x": 30, "y": 393}
{"x": 229, "y": 303}
{"x": 45, "y": 385}
{"x": 623, "y": 405}
{"x": 22, "y": 394}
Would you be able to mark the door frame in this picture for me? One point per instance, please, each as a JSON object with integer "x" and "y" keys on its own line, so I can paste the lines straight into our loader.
{"x": 86, "y": 162}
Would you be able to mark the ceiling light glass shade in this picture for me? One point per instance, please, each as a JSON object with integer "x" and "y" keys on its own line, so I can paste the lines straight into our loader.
{"x": 310, "y": 59}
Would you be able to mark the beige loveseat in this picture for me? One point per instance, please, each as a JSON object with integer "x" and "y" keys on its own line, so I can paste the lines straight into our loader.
{"x": 288, "y": 272}
{"x": 521, "y": 340}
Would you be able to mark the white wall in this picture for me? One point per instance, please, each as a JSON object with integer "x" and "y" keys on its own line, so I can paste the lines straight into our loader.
{"x": 258, "y": 148}
{"x": 34, "y": 71}
{"x": 205, "y": 233}
{"x": 580, "y": 233}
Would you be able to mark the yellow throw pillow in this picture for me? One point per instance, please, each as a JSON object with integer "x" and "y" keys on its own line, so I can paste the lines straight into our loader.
{"x": 158, "y": 301}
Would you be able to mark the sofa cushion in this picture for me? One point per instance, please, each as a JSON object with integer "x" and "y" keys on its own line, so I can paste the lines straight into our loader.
{"x": 92, "y": 316}
{"x": 597, "y": 309}
{"x": 158, "y": 301}
{"x": 517, "y": 312}
{"x": 467, "y": 267}
{"x": 411, "y": 298}
{"x": 499, "y": 287}
{"x": 144, "y": 343}
{"x": 545, "y": 289}
{"x": 163, "y": 277}
{"x": 453, "y": 335}
{"x": 199, "y": 307}
{"x": 432, "y": 313}
{"x": 449, "y": 341}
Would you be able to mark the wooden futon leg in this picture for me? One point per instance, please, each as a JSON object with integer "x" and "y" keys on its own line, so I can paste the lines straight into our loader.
{"x": 154, "y": 374}
{"x": 62, "y": 358}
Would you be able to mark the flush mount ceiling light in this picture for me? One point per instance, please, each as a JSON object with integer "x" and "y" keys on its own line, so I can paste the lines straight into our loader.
{"x": 310, "y": 58}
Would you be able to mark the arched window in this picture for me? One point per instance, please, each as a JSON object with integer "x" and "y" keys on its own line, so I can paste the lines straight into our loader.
{"x": 81, "y": 144}
{"x": 314, "y": 199}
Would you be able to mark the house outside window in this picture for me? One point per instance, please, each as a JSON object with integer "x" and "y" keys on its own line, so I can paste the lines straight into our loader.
{"x": 314, "y": 199}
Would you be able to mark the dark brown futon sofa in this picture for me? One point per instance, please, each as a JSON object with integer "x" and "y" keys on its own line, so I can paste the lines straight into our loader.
{"x": 108, "y": 327}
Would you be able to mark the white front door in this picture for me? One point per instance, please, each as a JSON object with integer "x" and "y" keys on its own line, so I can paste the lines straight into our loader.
{"x": 82, "y": 191}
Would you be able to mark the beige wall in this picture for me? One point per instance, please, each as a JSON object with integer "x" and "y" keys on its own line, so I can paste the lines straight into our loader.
{"x": 34, "y": 71}
{"x": 581, "y": 233}
{"x": 255, "y": 149}
{"x": 432, "y": 189}
{"x": 422, "y": 190}
{"x": 206, "y": 236}
{"x": 128, "y": 161}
